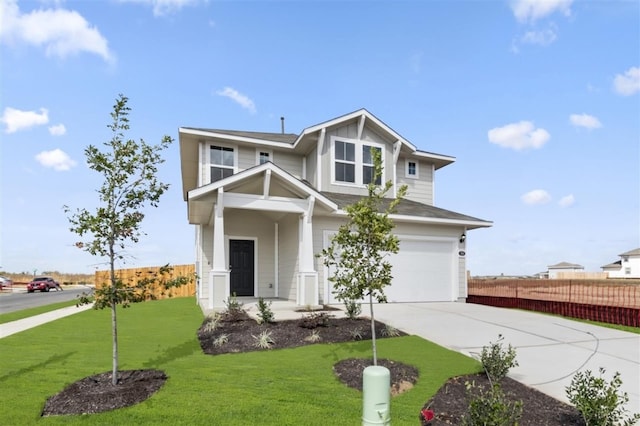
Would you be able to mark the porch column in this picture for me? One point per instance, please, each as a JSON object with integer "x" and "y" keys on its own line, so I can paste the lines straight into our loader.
{"x": 307, "y": 293}
{"x": 219, "y": 279}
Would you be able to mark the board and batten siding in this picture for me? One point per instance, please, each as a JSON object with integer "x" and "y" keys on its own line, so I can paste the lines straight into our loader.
{"x": 350, "y": 131}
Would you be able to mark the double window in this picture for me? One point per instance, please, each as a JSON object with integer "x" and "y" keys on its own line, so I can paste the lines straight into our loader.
{"x": 222, "y": 162}
{"x": 353, "y": 161}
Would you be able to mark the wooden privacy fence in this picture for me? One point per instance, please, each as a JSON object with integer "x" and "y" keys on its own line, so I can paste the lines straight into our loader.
{"x": 131, "y": 276}
{"x": 611, "y": 301}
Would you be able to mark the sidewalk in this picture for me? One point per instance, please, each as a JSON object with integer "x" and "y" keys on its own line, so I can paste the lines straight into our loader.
{"x": 13, "y": 327}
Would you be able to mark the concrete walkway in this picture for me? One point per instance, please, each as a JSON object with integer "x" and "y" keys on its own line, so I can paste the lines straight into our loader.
{"x": 9, "y": 328}
{"x": 550, "y": 350}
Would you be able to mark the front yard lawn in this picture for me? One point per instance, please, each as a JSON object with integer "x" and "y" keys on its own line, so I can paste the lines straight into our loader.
{"x": 275, "y": 387}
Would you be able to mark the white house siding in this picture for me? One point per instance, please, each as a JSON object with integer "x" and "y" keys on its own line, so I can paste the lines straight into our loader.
{"x": 421, "y": 189}
{"x": 288, "y": 256}
{"x": 629, "y": 268}
{"x": 351, "y": 132}
{"x": 312, "y": 169}
{"x": 207, "y": 259}
{"x": 246, "y": 157}
{"x": 252, "y": 224}
{"x": 290, "y": 162}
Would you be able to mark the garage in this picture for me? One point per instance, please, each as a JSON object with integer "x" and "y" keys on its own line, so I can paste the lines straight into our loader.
{"x": 424, "y": 270}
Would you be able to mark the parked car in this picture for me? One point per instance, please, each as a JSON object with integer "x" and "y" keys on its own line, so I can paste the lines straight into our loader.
{"x": 42, "y": 284}
{"x": 5, "y": 282}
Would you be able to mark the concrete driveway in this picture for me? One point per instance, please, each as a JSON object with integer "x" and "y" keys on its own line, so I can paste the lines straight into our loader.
{"x": 550, "y": 350}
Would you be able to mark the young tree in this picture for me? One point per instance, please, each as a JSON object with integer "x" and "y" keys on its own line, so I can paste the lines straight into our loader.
{"x": 130, "y": 183}
{"x": 360, "y": 248}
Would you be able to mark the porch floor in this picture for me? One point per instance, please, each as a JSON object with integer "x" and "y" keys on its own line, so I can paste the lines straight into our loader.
{"x": 283, "y": 309}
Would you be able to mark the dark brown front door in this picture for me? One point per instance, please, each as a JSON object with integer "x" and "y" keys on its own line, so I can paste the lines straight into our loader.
{"x": 241, "y": 263}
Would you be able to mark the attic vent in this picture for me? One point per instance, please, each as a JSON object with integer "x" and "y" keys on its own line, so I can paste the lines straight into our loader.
{"x": 282, "y": 124}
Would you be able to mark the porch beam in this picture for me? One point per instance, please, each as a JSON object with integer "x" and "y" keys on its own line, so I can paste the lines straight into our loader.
{"x": 256, "y": 202}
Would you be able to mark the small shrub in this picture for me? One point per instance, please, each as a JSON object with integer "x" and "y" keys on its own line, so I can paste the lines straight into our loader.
{"x": 600, "y": 402}
{"x": 314, "y": 337}
{"x": 234, "y": 310}
{"x": 390, "y": 331}
{"x": 491, "y": 408}
{"x": 353, "y": 309}
{"x": 265, "y": 314}
{"x": 497, "y": 361}
{"x": 356, "y": 333}
{"x": 211, "y": 323}
{"x": 263, "y": 340}
{"x": 314, "y": 320}
{"x": 221, "y": 340}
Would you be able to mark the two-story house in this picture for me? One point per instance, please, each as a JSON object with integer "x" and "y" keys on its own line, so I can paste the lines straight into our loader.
{"x": 627, "y": 267}
{"x": 265, "y": 204}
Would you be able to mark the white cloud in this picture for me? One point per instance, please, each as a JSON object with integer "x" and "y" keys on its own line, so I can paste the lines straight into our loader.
{"x": 61, "y": 32}
{"x": 628, "y": 83}
{"x": 164, "y": 7}
{"x": 519, "y": 136}
{"x": 585, "y": 120}
{"x": 537, "y": 196}
{"x": 567, "y": 201}
{"x": 57, "y": 130}
{"x": 532, "y": 10}
{"x": 15, "y": 119}
{"x": 56, "y": 159}
{"x": 542, "y": 37}
{"x": 242, "y": 100}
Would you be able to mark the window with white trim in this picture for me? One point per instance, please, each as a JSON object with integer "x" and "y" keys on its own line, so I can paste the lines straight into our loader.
{"x": 627, "y": 271}
{"x": 353, "y": 161}
{"x": 411, "y": 169}
{"x": 264, "y": 156}
{"x": 345, "y": 161}
{"x": 368, "y": 167}
{"x": 222, "y": 161}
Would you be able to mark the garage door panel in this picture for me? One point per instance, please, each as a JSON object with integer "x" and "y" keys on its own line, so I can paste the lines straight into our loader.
{"x": 423, "y": 271}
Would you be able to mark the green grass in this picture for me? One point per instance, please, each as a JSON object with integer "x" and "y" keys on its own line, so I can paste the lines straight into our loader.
{"x": 25, "y": 313}
{"x": 279, "y": 387}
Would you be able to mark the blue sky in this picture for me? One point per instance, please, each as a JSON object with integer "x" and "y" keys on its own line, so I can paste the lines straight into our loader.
{"x": 539, "y": 101}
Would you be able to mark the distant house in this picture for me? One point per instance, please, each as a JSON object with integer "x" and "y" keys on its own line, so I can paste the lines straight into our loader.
{"x": 627, "y": 267}
{"x": 555, "y": 270}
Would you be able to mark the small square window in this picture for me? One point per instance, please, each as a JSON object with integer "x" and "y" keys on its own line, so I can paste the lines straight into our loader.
{"x": 411, "y": 169}
{"x": 264, "y": 157}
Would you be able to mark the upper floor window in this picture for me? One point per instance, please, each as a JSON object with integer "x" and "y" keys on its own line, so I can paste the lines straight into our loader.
{"x": 353, "y": 161}
{"x": 222, "y": 162}
{"x": 411, "y": 169}
{"x": 627, "y": 271}
{"x": 264, "y": 156}
{"x": 368, "y": 168}
{"x": 625, "y": 258}
{"x": 345, "y": 157}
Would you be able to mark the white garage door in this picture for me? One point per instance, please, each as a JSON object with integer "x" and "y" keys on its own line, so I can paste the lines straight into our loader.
{"x": 423, "y": 271}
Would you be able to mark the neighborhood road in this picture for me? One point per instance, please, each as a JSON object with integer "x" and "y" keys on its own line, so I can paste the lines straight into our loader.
{"x": 11, "y": 302}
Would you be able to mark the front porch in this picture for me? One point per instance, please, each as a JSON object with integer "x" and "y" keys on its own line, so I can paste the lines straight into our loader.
{"x": 283, "y": 309}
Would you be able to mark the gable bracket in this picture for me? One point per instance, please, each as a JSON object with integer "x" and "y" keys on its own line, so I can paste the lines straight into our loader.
{"x": 266, "y": 184}
{"x": 361, "y": 126}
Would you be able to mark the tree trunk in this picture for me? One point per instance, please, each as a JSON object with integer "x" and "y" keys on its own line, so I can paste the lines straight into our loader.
{"x": 114, "y": 322}
{"x": 114, "y": 332}
{"x": 373, "y": 331}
